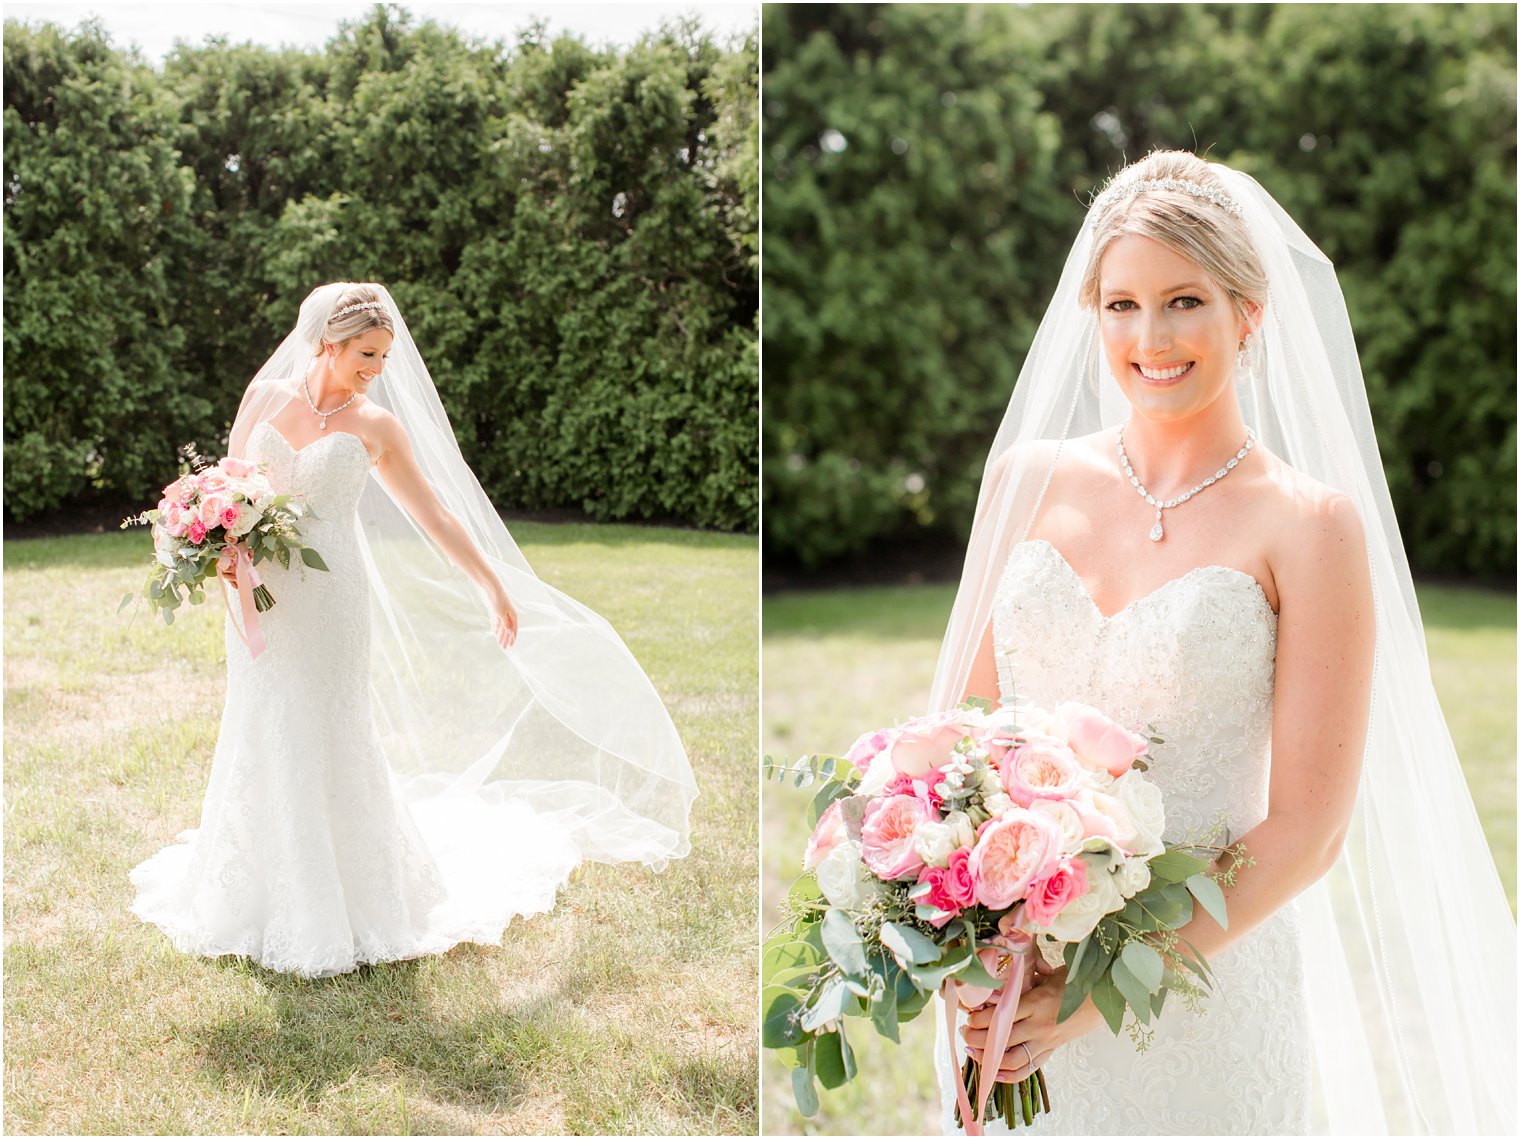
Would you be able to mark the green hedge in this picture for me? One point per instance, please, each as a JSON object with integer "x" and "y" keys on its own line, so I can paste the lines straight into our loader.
{"x": 927, "y": 169}
{"x": 571, "y": 234}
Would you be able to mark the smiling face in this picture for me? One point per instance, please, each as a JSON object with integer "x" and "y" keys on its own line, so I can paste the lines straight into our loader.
{"x": 1170, "y": 331}
{"x": 357, "y": 363}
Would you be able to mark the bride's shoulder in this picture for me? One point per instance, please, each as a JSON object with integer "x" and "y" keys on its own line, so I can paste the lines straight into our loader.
{"x": 1316, "y": 525}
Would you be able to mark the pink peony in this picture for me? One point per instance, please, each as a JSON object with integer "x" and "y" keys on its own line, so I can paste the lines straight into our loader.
{"x": 211, "y": 510}
{"x": 1012, "y": 852}
{"x": 1041, "y": 769}
{"x": 886, "y": 836}
{"x": 1049, "y": 896}
{"x": 826, "y": 836}
{"x": 237, "y": 468}
{"x": 921, "y": 789}
{"x": 926, "y": 742}
{"x": 1100, "y": 743}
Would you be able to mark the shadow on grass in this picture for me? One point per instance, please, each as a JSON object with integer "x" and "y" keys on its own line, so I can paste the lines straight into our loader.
{"x": 308, "y": 1037}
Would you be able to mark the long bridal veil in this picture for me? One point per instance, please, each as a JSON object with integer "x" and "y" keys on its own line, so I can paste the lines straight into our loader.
{"x": 565, "y": 722}
{"x": 1409, "y": 940}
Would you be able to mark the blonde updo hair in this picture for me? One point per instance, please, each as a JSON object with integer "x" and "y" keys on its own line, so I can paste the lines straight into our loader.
{"x": 341, "y": 329}
{"x": 1198, "y": 229}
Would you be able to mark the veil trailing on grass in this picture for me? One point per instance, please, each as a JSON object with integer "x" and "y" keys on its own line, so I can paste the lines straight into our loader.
{"x": 565, "y": 721}
{"x": 1409, "y": 941}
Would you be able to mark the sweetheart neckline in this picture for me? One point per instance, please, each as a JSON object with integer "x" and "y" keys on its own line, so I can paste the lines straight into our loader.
{"x": 1254, "y": 585}
{"x": 294, "y": 450}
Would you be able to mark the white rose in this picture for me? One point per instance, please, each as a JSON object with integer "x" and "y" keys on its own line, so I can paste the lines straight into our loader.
{"x": 1066, "y": 820}
{"x": 1131, "y": 876}
{"x": 1081, "y": 916}
{"x": 962, "y": 833}
{"x": 998, "y": 804}
{"x": 248, "y": 518}
{"x": 1147, "y": 812}
{"x": 933, "y": 842}
{"x": 844, "y": 878}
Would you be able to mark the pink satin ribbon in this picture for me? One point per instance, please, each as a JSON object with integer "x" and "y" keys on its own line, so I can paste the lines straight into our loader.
{"x": 1017, "y": 945}
{"x": 234, "y": 555}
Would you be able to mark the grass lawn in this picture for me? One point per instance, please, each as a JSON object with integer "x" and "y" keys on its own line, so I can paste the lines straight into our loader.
{"x": 841, "y": 661}
{"x": 631, "y": 1007}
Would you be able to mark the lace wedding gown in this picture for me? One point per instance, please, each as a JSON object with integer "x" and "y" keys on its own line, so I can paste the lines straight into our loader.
{"x": 1194, "y": 660}
{"x": 307, "y": 859}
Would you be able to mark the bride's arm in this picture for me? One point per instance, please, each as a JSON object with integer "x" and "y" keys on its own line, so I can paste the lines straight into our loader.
{"x": 1321, "y": 699}
{"x": 1322, "y": 694}
{"x": 398, "y": 470}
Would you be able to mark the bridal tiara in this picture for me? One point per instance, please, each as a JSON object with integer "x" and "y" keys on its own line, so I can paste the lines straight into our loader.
{"x": 356, "y": 307}
{"x": 1208, "y": 193}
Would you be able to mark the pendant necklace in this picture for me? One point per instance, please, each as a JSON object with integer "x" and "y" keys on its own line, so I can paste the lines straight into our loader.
{"x": 1156, "y": 532}
{"x": 324, "y": 414}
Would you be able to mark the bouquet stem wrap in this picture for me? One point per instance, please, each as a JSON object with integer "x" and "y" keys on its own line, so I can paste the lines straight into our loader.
{"x": 1017, "y": 947}
{"x": 235, "y": 556}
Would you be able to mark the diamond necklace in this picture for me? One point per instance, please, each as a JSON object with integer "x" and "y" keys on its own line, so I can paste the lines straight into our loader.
{"x": 1157, "y": 533}
{"x": 324, "y": 414}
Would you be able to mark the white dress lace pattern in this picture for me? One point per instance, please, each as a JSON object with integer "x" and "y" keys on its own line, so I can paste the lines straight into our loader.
{"x": 307, "y": 859}
{"x": 1193, "y": 660}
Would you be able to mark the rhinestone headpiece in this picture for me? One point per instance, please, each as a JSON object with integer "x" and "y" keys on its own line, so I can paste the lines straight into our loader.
{"x": 1208, "y": 193}
{"x": 355, "y": 308}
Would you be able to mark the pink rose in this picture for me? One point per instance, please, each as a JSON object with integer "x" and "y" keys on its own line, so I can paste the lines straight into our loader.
{"x": 886, "y": 836}
{"x": 1049, "y": 896}
{"x": 1041, "y": 769}
{"x": 212, "y": 481}
{"x": 826, "y": 836}
{"x": 960, "y": 884}
{"x": 231, "y": 514}
{"x": 939, "y": 896}
{"x": 197, "y": 532}
{"x": 1012, "y": 852}
{"x": 237, "y": 468}
{"x": 1099, "y": 742}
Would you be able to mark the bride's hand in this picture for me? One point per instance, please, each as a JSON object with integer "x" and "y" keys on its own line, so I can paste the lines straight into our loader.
{"x": 506, "y": 621}
{"x": 1034, "y": 1025}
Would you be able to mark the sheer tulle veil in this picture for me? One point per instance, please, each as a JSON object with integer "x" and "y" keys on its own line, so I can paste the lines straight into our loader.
{"x": 565, "y": 721}
{"x": 1410, "y": 943}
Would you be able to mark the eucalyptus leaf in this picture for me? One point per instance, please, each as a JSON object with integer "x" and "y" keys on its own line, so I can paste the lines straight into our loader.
{"x": 1175, "y": 865}
{"x": 1144, "y": 963}
{"x": 1107, "y": 1000}
{"x": 1138, "y": 996}
{"x": 833, "y": 1059}
{"x": 779, "y": 1026}
{"x": 312, "y": 558}
{"x": 843, "y": 941}
{"x": 908, "y": 945}
{"x": 804, "y": 1092}
{"x": 1211, "y": 897}
{"x": 975, "y": 973}
{"x": 125, "y": 601}
{"x": 884, "y": 1014}
{"x": 827, "y": 1008}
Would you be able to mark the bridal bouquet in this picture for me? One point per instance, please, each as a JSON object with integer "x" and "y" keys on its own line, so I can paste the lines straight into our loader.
{"x": 213, "y": 516}
{"x": 950, "y": 849}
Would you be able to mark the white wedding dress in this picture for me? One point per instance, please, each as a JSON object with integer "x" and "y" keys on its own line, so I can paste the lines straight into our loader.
{"x": 307, "y": 859}
{"x": 1194, "y": 661}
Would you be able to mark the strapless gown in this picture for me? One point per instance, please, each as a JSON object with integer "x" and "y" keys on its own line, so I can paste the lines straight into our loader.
{"x": 1194, "y": 660}
{"x": 307, "y": 859}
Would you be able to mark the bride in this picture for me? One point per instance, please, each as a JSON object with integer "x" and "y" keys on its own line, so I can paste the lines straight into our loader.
{"x": 422, "y": 750}
{"x": 1185, "y": 523}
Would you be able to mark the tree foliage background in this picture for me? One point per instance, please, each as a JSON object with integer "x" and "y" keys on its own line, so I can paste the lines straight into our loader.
{"x": 571, "y": 233}
{"x": 926, "y": 170}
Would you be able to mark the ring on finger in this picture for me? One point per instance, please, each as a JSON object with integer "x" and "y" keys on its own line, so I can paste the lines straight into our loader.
{"x": 1028, "y": 1056}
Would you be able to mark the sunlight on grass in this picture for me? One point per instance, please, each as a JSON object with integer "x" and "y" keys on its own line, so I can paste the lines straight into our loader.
{"x": 628, "y": 1008}
{"x": 839, "y": 662}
